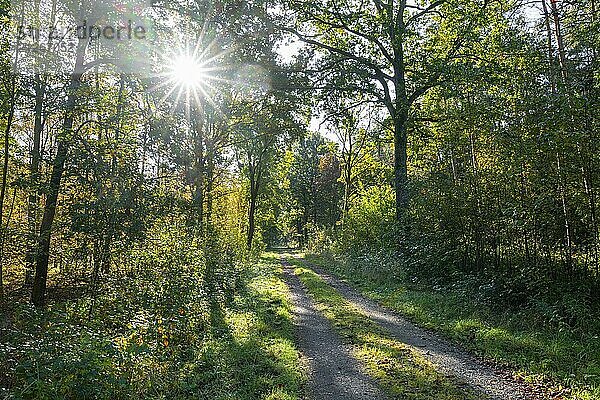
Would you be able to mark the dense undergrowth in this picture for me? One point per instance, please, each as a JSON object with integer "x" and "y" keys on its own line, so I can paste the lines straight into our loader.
{"x": 402, "y": 371}
{"x": 172, "y": 330}
{"x": 537, "y": 340}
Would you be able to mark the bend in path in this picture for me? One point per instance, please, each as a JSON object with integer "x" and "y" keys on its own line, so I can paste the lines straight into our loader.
{"x": 334, "y": 373}
{"x": 448, "y": 358}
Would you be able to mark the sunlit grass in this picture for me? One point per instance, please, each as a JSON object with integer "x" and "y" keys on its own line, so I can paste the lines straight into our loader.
{"x": 158, "y": 341}
{"x": 264, "y": 362}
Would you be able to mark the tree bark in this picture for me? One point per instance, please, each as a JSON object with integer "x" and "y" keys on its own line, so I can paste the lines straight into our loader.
{"x": 252, "y": 213}
{"x": 9, "y": 121}
{"x": 400, "y": 168}
{"x": 562, "y": 58}
{"x": 199, "y": 173}
{"x": 347, "y": 181}
{"x": 105, "y": 250}
{"x": 34, "y": 168}
{"x": 210, "y": 169}
{"x": 38, "y": 294}
{"x": 551, "y": 76}
{"x": 566, "y": 218}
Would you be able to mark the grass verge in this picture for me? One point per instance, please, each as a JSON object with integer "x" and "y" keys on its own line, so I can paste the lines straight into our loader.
{"x": 564, "y": 362}
{"x": 400, "y": 370}
{"x": 255, "y": 356}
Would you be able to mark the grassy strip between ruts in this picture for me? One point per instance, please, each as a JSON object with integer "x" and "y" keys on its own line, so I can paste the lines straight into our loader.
{"x": 399, "y": 369}
{"x": 551, "y": 357}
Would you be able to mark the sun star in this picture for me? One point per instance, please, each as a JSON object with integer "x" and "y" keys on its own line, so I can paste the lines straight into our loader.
{"x": 188, "y": 72}
{"x": 191, "y": 75}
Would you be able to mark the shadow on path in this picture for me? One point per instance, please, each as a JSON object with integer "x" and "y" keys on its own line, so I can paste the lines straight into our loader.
{"x": 334, "y": 373}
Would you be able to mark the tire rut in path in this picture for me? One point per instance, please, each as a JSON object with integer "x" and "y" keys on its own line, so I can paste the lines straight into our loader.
{"x": 448, "y": 358}
{"x": 334, "y": 373}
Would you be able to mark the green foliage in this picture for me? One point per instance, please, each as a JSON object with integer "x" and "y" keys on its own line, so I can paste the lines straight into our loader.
{"x": 315, "y": 192}
{"x": 499, "y": 244}
{"x": 165, "y": 189}
{"x": 370, "y": 223}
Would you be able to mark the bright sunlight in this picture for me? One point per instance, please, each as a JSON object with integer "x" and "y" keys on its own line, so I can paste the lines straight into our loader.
{"x": 187, "y": 71}
{"x": 344, "y": 199}
{"x": 190, "y": 76}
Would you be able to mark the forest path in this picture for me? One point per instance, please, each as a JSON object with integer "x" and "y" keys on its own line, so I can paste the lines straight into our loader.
{"x": 334, "y": 373}
{"x": 449, "y": 359}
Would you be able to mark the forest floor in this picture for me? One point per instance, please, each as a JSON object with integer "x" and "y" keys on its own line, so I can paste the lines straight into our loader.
{"x": 407, "y": 361}
{"x": 291, "y": 329}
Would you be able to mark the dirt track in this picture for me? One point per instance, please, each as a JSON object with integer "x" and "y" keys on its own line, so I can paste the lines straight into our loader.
{"x": 335, "y": 375}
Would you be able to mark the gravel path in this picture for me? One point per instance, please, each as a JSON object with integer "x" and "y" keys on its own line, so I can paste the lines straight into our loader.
{"x": 334, "y": 374}
{"x": 448, "y": 358}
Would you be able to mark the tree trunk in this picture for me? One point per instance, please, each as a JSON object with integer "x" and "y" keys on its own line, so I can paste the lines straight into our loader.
{"x": 9, "y": 121}
{"x": 478, "y": 234}
{"x": 38, "y": 293}
{"x": 105, "y": 250}
{"x": 551, "y": 76}
{"x": 400, "y": 167}
{"x": 566, "y": 219}
{"x": 34, "y": 168}
{"x": 349, "y": 160}
{"x": 41, "y": 270}
{"x": 588, "y": 186}
{"x": 347, "y": 187}
{"x": 523, "y": 213}
{"x": 199, "y": 168}
{"x": 251, "y": 221}
{"x": 254, "y": 185}
{"x": 210, "y": 170}
{"x": 562, "y": 58}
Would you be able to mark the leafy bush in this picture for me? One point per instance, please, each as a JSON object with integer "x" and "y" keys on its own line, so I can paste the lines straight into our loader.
{"x": 370, "y": 224}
